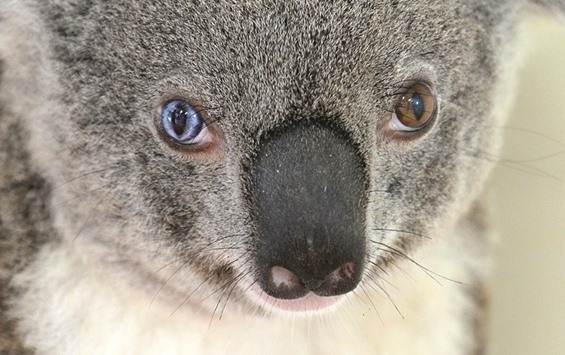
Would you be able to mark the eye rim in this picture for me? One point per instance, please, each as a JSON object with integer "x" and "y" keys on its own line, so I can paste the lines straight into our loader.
{"x": 396, "y": 128}
{"x": 209, "y": 149}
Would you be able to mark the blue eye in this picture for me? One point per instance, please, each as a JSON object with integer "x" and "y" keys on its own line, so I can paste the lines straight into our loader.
{"x": 183, "y": 123}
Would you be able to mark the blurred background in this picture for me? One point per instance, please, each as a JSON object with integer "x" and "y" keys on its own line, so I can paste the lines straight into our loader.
{"x": 527, "y": 193}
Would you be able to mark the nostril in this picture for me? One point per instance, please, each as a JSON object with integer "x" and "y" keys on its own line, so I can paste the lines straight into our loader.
{"x": 282, "y": 277}
{"x": 285, "y": 284}
{"x": 342, "y": 280}
{"x": 345, "y": 272}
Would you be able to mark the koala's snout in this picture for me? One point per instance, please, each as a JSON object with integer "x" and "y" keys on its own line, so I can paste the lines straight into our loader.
{"x": 310, "y": 198}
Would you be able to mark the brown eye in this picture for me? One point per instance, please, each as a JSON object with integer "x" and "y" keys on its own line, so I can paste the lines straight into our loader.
{"x": 415, "y": 109}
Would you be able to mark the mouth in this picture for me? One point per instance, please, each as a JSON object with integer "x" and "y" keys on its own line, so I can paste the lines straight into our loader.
{"x": 310, "y": 303}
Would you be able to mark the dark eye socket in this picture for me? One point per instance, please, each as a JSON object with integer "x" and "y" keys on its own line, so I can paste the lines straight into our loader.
{"x": 183, "y": 123}
{"x": 415, "y": 109}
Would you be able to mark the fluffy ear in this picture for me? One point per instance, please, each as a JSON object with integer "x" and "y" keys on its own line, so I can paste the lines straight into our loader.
{"x": 556, "y": 7}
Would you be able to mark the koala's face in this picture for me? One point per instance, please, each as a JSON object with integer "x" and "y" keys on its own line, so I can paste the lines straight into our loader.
{"x": 284, "y": 153}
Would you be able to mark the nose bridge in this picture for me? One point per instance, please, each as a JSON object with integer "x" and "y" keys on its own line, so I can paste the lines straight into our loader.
{"x": 309, "y": 195}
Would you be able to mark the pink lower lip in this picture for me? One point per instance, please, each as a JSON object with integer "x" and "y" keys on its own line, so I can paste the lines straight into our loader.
{"x": 309, "y": 303}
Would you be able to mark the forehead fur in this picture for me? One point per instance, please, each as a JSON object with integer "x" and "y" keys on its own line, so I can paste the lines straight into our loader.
{"x": 260, "y": 56}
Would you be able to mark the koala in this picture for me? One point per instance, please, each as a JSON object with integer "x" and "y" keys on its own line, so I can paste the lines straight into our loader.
{"x": 250, "y": 177}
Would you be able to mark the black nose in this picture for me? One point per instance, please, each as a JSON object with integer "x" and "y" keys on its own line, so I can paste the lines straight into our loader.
{"x": 309, "y": 190}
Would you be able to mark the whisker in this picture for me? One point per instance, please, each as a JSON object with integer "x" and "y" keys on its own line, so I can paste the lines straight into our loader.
{"x": 198, "y": 251}
{"x": 167, "y": 280}
{"x": 90, "y": 214}
{"x": 361, "y": 299}
{"x": 370, "y": 276}
{"x": 402, "y": 231}
{"x": 386, "y": 293}
{"x": 230, "y": 264}
{"x": 537, "y": 159}
{"x": 53, "y": 207}
{"x": 199, "y": 286}
{"x": 231, "y": 285}
{"x": 188, "y": 297}
{"x": 546, "y": 137}
{"x": 238, "y": 278}
{"x": 429, "y": 272}
{"x": 515, "y": 161}
{"x": 515, "y": 165}
{"x": 406, "y": 257}
{"x": 368, "y": 296}
{"x": 75, "y": 179}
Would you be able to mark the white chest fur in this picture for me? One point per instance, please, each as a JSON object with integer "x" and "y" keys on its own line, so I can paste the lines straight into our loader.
{"x": 69, "y": 308}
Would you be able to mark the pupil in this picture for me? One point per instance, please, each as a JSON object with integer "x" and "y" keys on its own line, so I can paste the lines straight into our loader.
{"x": 418, "y": 105}
{"x": 179, "y": 120}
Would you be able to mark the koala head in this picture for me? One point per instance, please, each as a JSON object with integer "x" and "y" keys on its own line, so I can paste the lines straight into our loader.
{"x": 278, "y": 153}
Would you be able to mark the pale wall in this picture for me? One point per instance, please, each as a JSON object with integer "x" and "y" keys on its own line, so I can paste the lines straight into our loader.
{"x": 529, "y": 206}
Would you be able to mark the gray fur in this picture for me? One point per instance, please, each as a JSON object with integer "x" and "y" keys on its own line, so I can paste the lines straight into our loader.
{"x": 81, "y": 164}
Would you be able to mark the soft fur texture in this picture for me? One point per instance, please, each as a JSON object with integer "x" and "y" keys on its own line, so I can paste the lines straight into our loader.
{"x": 112, "y": 241}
